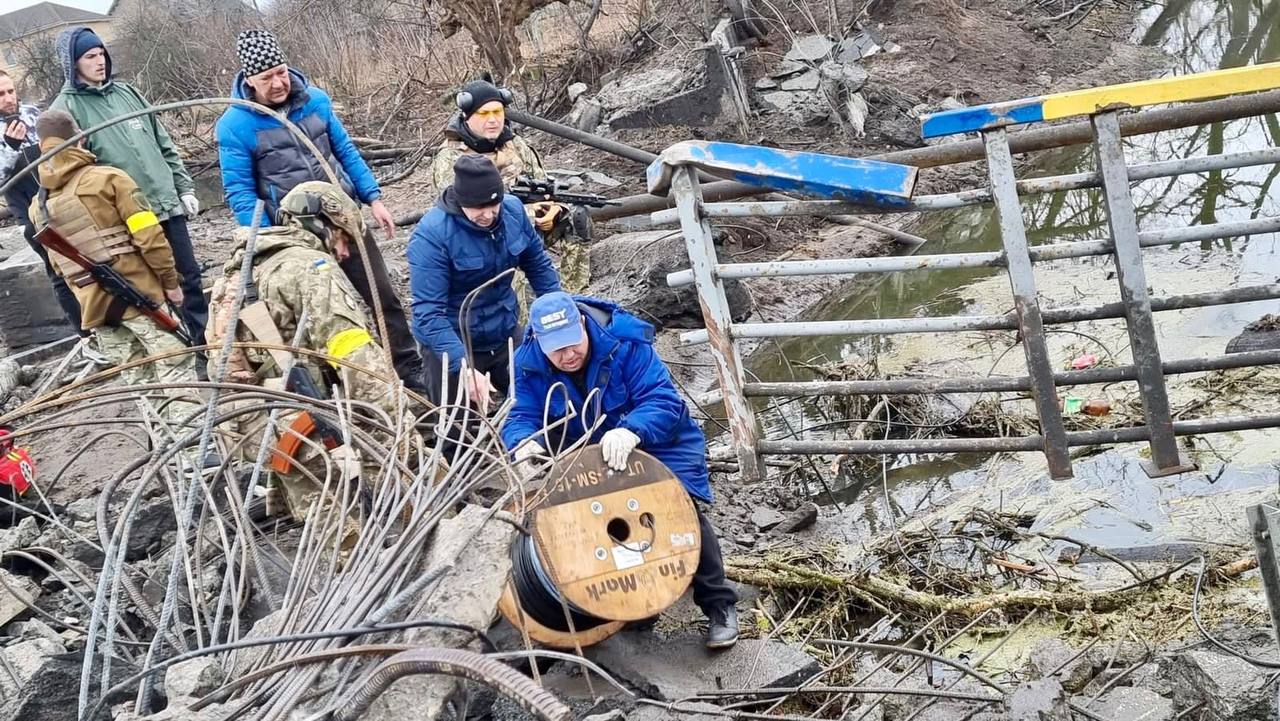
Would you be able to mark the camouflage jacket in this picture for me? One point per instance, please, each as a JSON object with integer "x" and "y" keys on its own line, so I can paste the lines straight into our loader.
{"x": 293, "y": 273}
{"x": 514, "y": 158}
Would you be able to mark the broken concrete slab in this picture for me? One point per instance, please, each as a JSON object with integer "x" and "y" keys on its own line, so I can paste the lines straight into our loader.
{"x": 1131, "y": 703}
{"x": 798, "y": 520}
{"x": 33, "y": 629}
{"x": 11, "y": 605}
{"x": 808, "y": 80}
{"x": 804, "y": 108}
{"x": 1041, "y": 700}
{"x": 847, "y": 78}
{"x": 631, "y": 269}
{"x": 576, "y": 91}
{"x": 1051, "y": 654}
{"x": 810, "y": 48}
{"x": 29, "y": 311}
{"x": 1229, "y": 687}
{"x": 673, "y": 668}
{"x": 697, "y": 98}
{"x": 20, "y": 536}
{"x": 194, "y": 677}
{"x": 766, "y": 518}
{"x": 50, "y": 681}
{"x": 766, "y": 84}
{"x": 478, "y": 549}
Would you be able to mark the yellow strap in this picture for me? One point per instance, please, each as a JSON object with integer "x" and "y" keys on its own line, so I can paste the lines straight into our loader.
{"x": 141, "y": 221}
{"x": 347, "y": 342}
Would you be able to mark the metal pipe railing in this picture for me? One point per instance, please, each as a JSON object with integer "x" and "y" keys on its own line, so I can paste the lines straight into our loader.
{"x": 1102, "y": 436}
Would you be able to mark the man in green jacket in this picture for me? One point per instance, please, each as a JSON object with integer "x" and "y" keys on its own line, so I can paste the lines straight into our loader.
{"x": 140, "y": 147}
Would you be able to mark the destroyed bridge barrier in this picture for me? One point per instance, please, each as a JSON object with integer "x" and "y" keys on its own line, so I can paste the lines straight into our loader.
{"x": 847, "y": 186}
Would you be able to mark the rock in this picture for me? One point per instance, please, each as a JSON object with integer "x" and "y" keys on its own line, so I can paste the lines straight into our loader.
{"x": 195, "y": 677}
{"x": 1042, "y": 700}
{"x": 83, "y": 509}
{"x": 805, "y": 108}
{"x": 849, "y": 78}
{"x": 688, "y": 712}
{"x": 631, "y": 269}
{"x": 1051, "y": 653}
{"x": 586, "y": 115}
{"x": 1231, "y": 688}
{"x": 479, "y": 549}
{"x": 20, "y": 536}
{"x": 766, "y": 518}
{"x": 600, "y": 179}
{"x": 674, "y": 668}
{"x": 766, "y": 84}
{"x": 810, "y": 48}
{"x": 805, "y": 81}
{"x": 787, "y": 68}
{"x": 34, "y": 629}
{"x": 10, "y": 605}
{"x": 1131, "y": 703}
{"x": 798, "y": 520}
{"x": 152, "y": 521}
{"x": 50, "y": 681}
{"x": 640, "y": 89}
{"x": 576, "y": 91}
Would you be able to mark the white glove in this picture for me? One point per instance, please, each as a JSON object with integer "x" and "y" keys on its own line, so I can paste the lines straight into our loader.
{"x": 617, "y": 445}
{"x": 191, "y": 204}
{"x": 528, "y": 449}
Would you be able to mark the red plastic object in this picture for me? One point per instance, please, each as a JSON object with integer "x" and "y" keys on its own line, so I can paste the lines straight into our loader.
{"x": 1088, "y": 360}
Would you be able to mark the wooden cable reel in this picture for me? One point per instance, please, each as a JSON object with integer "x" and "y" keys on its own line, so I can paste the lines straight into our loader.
{"x": 610, "y": 546}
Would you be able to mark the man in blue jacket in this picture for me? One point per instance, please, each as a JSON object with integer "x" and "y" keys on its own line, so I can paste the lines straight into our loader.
{"x": 592, "y": 346}
{"x": 262, "y": 159}
{"x": 474, "y": 234}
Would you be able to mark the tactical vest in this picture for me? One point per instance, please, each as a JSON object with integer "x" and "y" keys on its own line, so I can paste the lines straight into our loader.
{"x": 73, "y": 219}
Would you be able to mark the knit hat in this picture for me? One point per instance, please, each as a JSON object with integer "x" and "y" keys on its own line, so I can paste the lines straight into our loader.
{"x": 476, "y": 182}
{"x": 85, "y": 40}
{"x": 259, "y": 51}
{"x": 477, "y": 93}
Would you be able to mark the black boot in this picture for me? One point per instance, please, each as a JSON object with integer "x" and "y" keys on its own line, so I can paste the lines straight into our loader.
{"x": 723, "y": 630}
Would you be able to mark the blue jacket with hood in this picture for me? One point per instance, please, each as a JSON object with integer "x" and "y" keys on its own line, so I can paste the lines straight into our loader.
{"x": 632, "y": 384}
{"x": 449, "y": 256}
{"x": 260, "y": 158}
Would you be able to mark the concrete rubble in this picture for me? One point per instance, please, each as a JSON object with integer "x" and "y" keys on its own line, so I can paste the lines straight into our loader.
{"x": 632, "y": 269}
{"x": 674, "y": 668}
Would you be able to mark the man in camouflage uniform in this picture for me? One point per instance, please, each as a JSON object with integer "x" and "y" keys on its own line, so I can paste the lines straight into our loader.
{"x": 104, "y": 215}
{"x": 480, "y": 126}
{"x": 294, "y": 275}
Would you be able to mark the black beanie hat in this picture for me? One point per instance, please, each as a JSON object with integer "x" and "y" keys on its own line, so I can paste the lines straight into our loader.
{"x": 477, "y": 93}
{"x": 476, "y": 182}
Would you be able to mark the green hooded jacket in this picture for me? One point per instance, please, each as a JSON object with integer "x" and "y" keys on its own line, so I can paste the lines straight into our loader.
{"x": 140, "y": 146}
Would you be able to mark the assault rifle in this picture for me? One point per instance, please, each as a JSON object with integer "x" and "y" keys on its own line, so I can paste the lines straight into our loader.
{"x": 529, "y": 190}
{"x": 110, "y": 280}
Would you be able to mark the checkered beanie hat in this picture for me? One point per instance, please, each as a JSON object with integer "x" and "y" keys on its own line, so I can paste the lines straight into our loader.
{"x": 258, "y": 51}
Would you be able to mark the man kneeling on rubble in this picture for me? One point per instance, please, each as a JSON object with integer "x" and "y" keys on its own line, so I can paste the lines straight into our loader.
{"x": 295, "y": 280}
{"x": 583, "y": 356}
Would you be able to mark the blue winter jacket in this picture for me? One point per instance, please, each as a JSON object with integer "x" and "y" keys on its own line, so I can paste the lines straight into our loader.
{"x": 260, "y": 158}
{"x": 635, "y": 392}
{"x": 449, "y": 256}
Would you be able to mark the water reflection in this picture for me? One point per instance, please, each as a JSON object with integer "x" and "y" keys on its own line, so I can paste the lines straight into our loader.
{"x": 1199, "y": 35}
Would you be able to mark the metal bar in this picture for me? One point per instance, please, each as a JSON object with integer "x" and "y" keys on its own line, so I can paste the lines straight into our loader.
{"x": 1052, "y": 316}
{"x": 1107, "y": 436}
{"x": 997, "y": 384}
{"x": 1032, "y": 139}
{"x": 1264, "y": 522}
{"x": 715, "y": 311}
{"x": 991, "y": 259}
{"x": 622, "y": 150}
{"x": 1026, "y": 307}
{"x": 1132, "y": 278}
{"x": 978, "y": 196}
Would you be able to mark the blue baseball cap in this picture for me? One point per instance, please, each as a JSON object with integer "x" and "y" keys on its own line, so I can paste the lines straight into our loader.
{"x": 556, "y": 321}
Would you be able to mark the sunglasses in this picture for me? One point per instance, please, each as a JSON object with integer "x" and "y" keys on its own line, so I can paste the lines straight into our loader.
{"x": 495, "y": 113}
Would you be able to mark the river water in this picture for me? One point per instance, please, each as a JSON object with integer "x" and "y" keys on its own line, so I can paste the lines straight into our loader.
{"x": 1199, "y": 35}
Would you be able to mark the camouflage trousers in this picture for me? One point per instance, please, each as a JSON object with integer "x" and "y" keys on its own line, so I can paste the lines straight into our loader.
{"x": 573, "y": 264}
{"x": 140, "y": 337}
